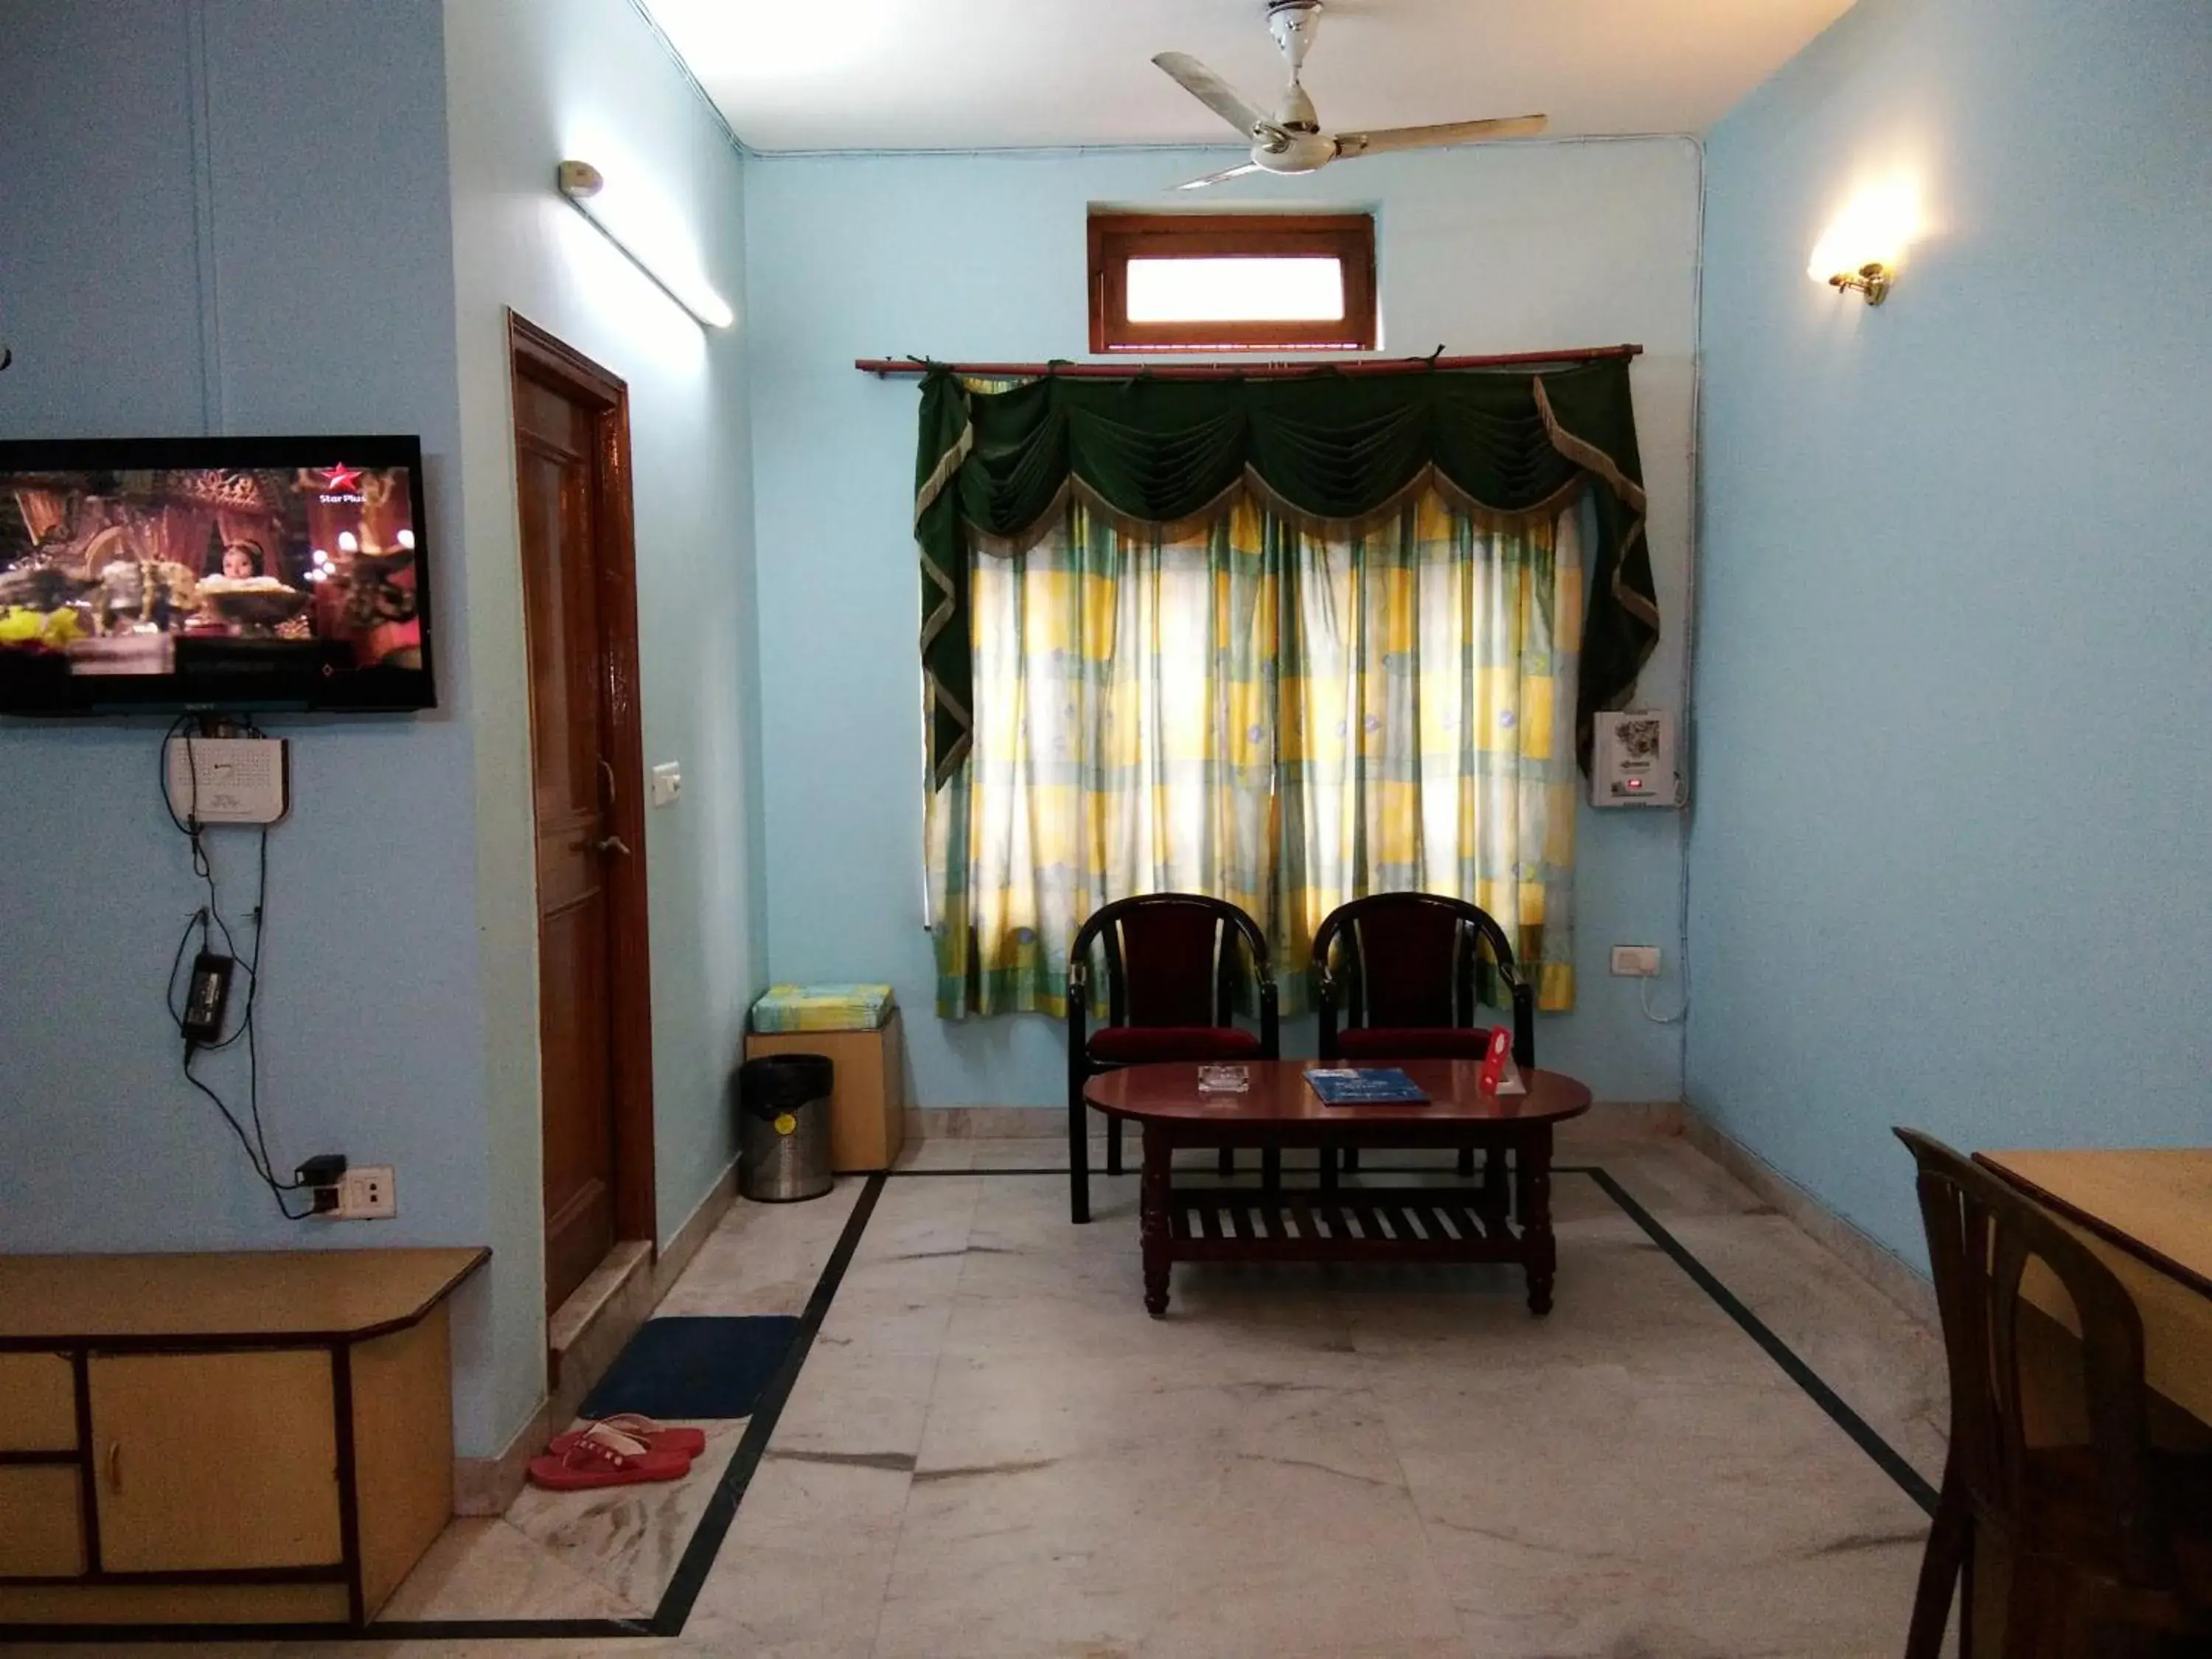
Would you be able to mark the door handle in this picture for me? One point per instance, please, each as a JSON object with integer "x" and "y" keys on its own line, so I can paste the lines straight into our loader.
{"x": 611, "y": 844}
{"x": 115, "y": 1466}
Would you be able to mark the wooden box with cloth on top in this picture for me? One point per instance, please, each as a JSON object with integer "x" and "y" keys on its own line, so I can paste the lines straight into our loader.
{"x": 857, "y": 1028}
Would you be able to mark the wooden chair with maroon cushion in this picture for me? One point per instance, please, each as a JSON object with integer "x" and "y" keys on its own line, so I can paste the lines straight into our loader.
{"x": 1395, "y": 978}
{"x": 2106, "y": 1535}
{"x": 1173, "y": 965}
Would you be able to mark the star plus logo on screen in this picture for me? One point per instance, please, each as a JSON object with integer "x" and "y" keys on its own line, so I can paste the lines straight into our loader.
{"x": 342, "y": 483}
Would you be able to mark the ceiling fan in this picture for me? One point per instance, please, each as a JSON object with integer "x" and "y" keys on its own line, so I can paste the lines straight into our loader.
{"x": 1291, "y": 140}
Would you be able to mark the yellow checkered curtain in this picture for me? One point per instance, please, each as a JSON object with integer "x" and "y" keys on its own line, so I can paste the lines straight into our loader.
{"x": 1276, "y": 715}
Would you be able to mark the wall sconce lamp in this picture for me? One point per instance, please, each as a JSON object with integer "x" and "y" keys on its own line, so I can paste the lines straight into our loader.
{"x": 580, "y": 185}
{"x": 1871, "y": 279}
{"x": 1859, "y": 252}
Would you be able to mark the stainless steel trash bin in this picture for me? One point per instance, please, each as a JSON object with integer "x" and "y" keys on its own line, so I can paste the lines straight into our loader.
{"x": 783, "y": 1128}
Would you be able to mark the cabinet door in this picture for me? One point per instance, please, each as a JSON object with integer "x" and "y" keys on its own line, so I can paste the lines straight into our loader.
{"x": 40, "y": 1389}
{"x": 212, "y": 1460}
{"x": 41, "y": 1521}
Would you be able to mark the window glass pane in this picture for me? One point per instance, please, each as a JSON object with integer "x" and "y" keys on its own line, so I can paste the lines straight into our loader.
{"x": 1272, "y": 291}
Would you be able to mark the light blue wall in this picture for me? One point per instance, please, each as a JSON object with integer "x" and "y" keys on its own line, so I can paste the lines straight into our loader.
{"x": 183, "y": 249}
{"x": 246, "y": 216}
{"x": 1514, "y": 247}
{"x": 529, "y": 82}
{"x": 1950, "y": 859}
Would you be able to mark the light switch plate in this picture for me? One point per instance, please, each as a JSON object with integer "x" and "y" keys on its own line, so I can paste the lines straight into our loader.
{"x": 667, "y": 783}
{"x": 1636, "y": 961}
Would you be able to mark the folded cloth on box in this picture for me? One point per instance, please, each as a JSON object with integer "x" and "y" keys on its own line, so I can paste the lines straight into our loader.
{"x": 822, "y": 1008}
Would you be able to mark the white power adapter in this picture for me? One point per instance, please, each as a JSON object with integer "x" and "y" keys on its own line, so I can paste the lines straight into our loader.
{"x": 229, "y": 780}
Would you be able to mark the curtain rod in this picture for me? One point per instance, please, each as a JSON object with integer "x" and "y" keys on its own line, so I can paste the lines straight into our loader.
{"x": 1271, "y": 369}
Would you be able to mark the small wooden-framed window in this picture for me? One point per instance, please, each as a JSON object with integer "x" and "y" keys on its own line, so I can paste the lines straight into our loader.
{"x": 1231, "y": 281}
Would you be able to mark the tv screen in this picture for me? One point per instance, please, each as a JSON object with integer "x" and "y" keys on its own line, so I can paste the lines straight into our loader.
{"x": 214, "y": 573}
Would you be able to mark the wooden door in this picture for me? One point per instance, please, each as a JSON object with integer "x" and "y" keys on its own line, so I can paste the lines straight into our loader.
{"x": 216, "y": 1462}
{"x": 579, "y": 599}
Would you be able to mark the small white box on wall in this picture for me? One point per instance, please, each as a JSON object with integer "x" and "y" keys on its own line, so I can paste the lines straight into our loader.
{"x": 229, "y": 780}
{"x": 1632, "y": 760}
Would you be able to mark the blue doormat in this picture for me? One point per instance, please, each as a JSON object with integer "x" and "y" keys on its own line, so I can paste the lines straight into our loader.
{"x": 692, "y": 1368}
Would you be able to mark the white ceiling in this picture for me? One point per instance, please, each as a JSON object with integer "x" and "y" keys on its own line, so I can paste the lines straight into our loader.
{"x": 978, "y": 73}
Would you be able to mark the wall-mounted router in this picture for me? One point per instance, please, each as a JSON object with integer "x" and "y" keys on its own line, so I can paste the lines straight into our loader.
{"x": 229, "y": 780}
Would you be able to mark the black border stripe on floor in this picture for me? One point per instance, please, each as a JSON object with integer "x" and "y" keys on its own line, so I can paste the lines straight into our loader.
{"x": 667, "y": 1619}
{"x": 676, "y": 1602}
{"x": 712, "y": 1529}
{"x": 1887, "y": 1457}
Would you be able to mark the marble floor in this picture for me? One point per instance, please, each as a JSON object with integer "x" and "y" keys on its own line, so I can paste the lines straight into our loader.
{"x": 992, "y": 1450}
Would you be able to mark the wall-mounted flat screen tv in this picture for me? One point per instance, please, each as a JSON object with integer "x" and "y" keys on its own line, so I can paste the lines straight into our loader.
{"x": 214, "y": 573}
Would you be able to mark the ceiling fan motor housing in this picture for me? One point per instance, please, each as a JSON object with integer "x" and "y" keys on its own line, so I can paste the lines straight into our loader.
{"x": 1302, "y": 152}
{"x": 1296, "y": 112}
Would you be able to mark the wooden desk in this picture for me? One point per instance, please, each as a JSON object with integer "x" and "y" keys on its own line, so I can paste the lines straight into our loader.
{"x": 2148, "y": 1215}
{"x": 221, "y": 1439}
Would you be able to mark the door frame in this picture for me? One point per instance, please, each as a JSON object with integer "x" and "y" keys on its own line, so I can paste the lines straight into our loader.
{"x": 537, "y": 355}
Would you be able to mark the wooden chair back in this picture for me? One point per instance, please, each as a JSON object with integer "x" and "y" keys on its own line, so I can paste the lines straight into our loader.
{"x": 1981, "y": 1235}
{"x": 1412, "y": 959}
{"x": 1169, "y": 959}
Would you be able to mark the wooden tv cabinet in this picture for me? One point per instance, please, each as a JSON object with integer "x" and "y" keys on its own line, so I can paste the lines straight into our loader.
{"x": 248, "y": 1439}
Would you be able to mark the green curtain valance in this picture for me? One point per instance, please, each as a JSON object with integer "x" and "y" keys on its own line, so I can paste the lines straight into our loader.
{"x": 995, "y": 469}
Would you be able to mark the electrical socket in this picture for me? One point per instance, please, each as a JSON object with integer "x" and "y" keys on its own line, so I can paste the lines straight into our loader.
{"x": 1636, "y": 961}
{"x": 366, "y": 1193}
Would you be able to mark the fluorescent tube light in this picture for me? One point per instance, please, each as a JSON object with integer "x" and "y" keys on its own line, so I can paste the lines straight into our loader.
{"x": 580, "y": 183}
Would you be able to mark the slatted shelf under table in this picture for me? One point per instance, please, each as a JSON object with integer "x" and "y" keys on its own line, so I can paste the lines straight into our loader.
{"x": 1412, "y": 1224}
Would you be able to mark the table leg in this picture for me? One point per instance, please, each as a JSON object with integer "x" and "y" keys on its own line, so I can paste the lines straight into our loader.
{"x": 1152, "y": 1217}
{"x": 1494, "y": 1203}
{"x": 1540, "y": 1251}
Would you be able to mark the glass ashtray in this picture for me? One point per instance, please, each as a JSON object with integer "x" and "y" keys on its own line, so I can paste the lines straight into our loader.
{"x": 1224, "y": 1079}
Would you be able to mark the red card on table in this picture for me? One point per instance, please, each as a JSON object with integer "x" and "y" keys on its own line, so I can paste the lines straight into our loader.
{"x": 1494, "y": 1061}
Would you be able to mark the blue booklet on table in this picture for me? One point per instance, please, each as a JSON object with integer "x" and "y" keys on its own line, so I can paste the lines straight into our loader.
{"x": 1364, "y": 1085}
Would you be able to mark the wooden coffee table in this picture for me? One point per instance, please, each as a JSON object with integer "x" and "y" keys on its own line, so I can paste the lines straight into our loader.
{"x": 1331, "y": 1224}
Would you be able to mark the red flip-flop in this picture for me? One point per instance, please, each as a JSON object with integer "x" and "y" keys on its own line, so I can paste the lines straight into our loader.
{"x": 657, "y": 1436}
{"x": 601, "y": 1457}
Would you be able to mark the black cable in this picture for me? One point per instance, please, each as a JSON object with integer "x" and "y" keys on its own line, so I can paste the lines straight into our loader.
{"x": 246, "y": 1024}
{"x": 199, "y": 919}
{"x": 277, "y": 1188}
{"x": 211, "y": 923}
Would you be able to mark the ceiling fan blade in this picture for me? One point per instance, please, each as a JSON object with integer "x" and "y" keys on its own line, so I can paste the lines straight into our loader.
{"x": 1220, "y": 178}
{"x": 1216, "y": 93}
{"x": 1435, "y": 137}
